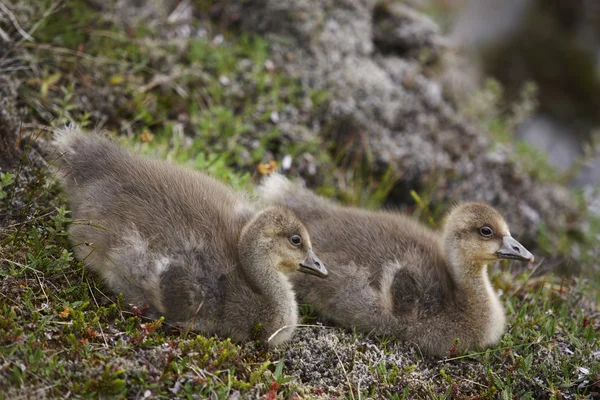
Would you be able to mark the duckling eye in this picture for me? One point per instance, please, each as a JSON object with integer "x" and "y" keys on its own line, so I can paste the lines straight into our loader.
{"x": 295, "y": 240}
{"x": 486, "y": 231}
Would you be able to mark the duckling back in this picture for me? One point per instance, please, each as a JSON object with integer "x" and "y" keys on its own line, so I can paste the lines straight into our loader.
{"x": 105, "y": 178}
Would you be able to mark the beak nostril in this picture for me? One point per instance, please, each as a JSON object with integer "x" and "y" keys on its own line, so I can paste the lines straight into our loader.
{"x": 513, "y": 250}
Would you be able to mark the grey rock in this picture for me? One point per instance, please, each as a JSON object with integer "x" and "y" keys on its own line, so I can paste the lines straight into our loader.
{"x": 390, "y": 96}
{"x": 400, "y": 29}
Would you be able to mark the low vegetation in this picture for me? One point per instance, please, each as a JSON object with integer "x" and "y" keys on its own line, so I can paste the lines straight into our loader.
{"x": 213, "y": 103}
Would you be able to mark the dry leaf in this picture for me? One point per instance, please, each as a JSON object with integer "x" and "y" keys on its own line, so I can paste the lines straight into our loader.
{"x": 48, "y": 82}
{"x": 267, "y": 169}
{"x": 117, "y": 79}
{"x": 65, "y": 313}
{"x": 146, "y": 136}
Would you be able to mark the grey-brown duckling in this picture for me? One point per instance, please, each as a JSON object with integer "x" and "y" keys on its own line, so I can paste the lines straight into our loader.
{"x": 182, "y": 242}
{"x": 390, "y": 274}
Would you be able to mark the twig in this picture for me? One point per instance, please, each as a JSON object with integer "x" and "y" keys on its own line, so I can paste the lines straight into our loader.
{"x": 47, "y": 387}
{"x": 13, "y": 69}
{"x": 130, "y": 123}
{"x": 103, "y": 335}
{"x": 156, "y": 80}
{"x": 21, "y": 265}
{"x": 42, "y": 287}
{"x": 13, "y": 19}
{"x": 9, "y": 298}
{"x": 98, "y": 306}
{"x": 35, "y": 26}
{"x": 202, "y": 373}
{"x": 4, "y": 35}
{"x": 84, "y": 56}
{"x": 179, "y": 10}
{"x": 29, "y": 221}
{"x": 518, "y": 346}
{"x": 345, "y": 373}
{"x": 296, "y": 326}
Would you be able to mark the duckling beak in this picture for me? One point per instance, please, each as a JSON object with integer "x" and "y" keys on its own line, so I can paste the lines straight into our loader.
{"x": 513, "y": 250}
{"x": 313, "y": 266}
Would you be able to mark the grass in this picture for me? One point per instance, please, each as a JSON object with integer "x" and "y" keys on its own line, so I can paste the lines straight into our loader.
{"x": 218, "y": 106}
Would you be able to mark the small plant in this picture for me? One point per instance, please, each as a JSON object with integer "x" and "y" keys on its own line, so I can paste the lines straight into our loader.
{"x": 6, "y": 180}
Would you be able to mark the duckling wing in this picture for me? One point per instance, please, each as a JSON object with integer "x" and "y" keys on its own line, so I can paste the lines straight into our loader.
{"x": 414, "y": 296}
{"x": 179, "y": 283}
{"x": 192, "y": 288}
{"x": 405, "y": 292}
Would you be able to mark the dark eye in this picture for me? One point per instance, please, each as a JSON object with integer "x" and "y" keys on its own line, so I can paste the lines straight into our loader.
{"x": 295, "y": 240}
{"x": 486, "y": 231}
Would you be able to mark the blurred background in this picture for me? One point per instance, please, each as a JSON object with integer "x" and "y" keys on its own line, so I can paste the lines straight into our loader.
{"x": 554, "y": 45}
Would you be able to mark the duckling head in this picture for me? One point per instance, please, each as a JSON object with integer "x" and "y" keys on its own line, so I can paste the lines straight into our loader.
{"x": 279, "y": 236}
{"x": 476, "y": 234}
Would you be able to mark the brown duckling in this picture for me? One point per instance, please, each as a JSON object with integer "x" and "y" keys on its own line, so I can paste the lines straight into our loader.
{"x": 390, "y": 274}
{"x": 182, "y": 242}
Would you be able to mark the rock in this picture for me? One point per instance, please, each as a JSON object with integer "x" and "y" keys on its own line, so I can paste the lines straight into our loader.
{"x": 363, "y": 54}
{"x": 401, "y": 30}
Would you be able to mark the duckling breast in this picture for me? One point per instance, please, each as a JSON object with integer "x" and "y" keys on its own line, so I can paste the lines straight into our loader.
{"x": 281, "y": 331}
{"x": 496, "y": 322}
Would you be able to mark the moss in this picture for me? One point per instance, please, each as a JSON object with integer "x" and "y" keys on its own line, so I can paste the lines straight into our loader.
{"x": 209, "y": 352}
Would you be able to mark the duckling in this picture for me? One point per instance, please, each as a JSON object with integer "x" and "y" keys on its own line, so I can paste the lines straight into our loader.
{"x": 391, "y": 275}
{"x": 182, "y": 242}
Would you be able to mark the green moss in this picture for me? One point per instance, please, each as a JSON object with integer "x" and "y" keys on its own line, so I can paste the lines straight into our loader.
{"x": 6, "y": 180}
{"x": 209, "y": 352}
{"x": 111, "y": 382}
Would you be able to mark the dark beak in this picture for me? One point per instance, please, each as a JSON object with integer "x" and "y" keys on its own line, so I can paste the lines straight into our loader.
{"x": 513, "y": 250}
{"x": 313, "y": 266}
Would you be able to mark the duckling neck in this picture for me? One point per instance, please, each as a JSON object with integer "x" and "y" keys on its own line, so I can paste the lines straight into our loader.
{"x": 263, "y": 277}
{"x": 481, "y": 299}
{"x": 473, "y": 282}
{"x": 277, "y": 309}
{"x": 467, "y": 275}
{"x": 475, "y": 292}
{"x": 472, "y": 277}
{"x": 253, "y": 250}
